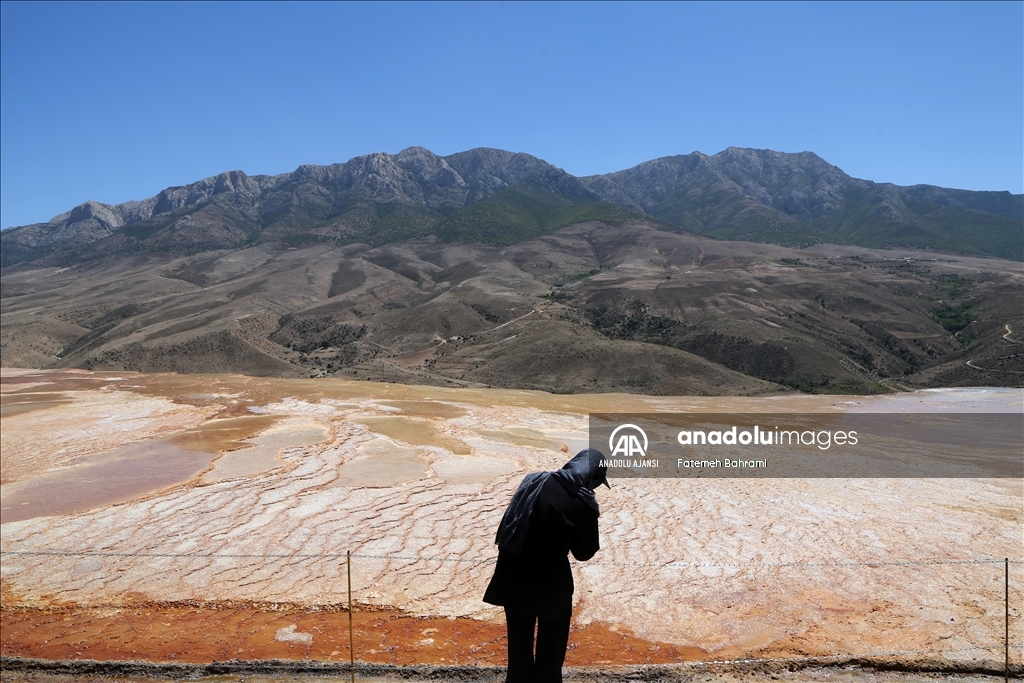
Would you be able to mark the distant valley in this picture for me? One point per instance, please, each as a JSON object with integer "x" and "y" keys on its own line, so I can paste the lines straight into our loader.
{"x": 746, "y": 272}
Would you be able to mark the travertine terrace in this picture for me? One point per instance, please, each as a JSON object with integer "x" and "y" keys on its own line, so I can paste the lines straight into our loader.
{"x": 221, "y": 494}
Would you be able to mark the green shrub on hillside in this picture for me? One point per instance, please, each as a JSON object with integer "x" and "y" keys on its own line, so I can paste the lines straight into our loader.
{"x": 954, "y": 317}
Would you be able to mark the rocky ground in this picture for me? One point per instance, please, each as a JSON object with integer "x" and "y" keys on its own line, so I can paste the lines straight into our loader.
{"x": 170, "y": 518}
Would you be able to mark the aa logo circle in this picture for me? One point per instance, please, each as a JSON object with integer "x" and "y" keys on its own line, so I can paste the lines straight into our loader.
{"x": 628, "y": 443}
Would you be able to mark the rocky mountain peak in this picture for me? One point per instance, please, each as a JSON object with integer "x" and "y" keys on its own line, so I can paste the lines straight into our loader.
{"x": 415, "y": 152}
{"x": 425, "y": 166}
{"x": 311, "y": 173}
{"x": 103, "y": 214}
{"x": 229, "y": 182}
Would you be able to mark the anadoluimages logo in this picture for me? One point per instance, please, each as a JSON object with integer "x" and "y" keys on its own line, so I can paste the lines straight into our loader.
{"x": 628, "y": 445}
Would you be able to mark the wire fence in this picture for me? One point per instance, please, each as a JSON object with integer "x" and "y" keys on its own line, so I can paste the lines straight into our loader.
{"x": 1001, "y": 648}
{"x": 416, "y": 558}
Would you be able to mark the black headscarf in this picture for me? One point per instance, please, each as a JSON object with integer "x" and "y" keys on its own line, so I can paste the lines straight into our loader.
{"x": 580, "y": 476}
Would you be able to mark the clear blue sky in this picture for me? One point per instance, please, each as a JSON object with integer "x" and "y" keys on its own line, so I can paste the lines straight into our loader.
{"x": 113, "y": 102}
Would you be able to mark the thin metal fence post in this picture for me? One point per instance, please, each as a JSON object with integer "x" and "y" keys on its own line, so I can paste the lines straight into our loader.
{"x": 1006, "y": 652}
{"x": 351, "y": 638}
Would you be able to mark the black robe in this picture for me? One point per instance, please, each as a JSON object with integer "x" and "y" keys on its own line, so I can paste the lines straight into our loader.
{"x": 538, "y": 579}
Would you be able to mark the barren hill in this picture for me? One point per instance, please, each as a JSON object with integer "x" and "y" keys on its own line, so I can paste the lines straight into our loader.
{"x": 591, "y": 307}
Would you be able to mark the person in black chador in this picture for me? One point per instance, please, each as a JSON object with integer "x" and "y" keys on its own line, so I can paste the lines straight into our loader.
{"x": 551, "y": 513}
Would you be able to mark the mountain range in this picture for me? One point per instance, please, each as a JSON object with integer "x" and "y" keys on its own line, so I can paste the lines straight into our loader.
{"x": 495, "y": 197}
{"x": 745, "y": 272}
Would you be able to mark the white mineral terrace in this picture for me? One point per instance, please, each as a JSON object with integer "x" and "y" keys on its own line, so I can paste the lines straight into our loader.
{"x": 413, "y": 481}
